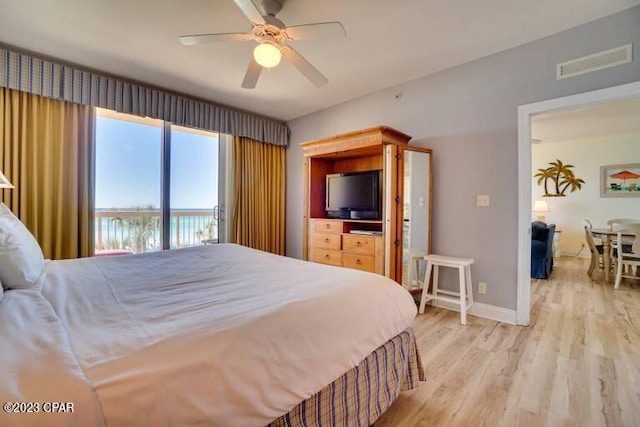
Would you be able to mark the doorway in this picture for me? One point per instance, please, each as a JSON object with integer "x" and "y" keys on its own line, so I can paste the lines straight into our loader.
{"x": 525, "y": 112}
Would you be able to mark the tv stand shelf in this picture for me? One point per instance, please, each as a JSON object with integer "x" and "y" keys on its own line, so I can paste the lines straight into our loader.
{"x": 364, "y": 221}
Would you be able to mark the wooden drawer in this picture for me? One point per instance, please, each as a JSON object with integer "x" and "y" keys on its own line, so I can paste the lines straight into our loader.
{"x": 327, "y": 226}
{"x": 359, "y": 262}
{"x": 326, "y": 241}
{"x": 327, "y": 256}
{"x": 359, "y": 244}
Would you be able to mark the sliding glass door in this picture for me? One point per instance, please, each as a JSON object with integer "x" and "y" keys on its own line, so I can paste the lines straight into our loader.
{"x": 157, "y": 185}
{"x": 195, "y": 210}
{"x": 128, "y": 184}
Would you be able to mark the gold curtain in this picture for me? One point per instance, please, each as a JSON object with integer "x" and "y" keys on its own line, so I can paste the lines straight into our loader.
{"x": 47, "y": 152}
{"x": 259, "y": 208}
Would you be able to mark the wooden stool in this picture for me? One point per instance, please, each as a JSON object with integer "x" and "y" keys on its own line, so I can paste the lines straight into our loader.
{"x": 414, "y": 269}
{"x": 464, "y": 297}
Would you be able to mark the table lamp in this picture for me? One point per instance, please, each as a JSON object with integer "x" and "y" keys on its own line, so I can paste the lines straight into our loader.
{"x": 539, "y": 207}
{"x": 4, "y": 182}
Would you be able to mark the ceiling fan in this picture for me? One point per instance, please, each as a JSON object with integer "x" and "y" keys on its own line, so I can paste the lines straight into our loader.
{"x": 271, "y": 34}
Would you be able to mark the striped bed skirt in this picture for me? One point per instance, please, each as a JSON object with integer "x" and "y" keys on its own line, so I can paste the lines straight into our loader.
{"x": 363, "y": 393}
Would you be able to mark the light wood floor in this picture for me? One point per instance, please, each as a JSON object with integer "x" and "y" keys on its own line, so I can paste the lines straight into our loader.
{"x": 578, "y": 364}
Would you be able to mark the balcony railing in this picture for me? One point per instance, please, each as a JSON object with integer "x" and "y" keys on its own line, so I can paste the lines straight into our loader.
{"x": 140, "y": 230}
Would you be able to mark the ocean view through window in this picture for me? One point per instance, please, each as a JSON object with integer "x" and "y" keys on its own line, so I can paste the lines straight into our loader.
{"x": 194, "y": 186}
{"x": 129, "y": 184}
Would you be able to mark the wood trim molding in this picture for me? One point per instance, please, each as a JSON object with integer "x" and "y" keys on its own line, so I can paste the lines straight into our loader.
{"x": 614, "y": 93}
{"x": 305, "y": 209}
{"x": 376, "y": 136}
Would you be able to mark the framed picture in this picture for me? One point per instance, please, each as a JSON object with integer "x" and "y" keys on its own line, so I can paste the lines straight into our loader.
{"x": 620, "y": 180}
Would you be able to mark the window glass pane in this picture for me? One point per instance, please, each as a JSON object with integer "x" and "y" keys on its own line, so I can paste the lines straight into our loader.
{"x": 194, "y": 187}
{"x": 128, "y": 183}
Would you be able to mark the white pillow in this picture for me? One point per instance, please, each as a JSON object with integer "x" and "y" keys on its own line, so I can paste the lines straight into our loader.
{"x": 21, "y": 259}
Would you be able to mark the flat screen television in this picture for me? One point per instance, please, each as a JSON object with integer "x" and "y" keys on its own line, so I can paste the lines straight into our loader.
{"x": 353, "y": 195}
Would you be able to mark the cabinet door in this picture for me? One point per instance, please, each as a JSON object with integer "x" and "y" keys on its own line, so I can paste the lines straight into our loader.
{"x": 391, "y": 209}
{"x": 415, "y": 218}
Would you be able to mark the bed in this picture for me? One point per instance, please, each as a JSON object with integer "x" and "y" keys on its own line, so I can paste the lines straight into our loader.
{"x": 210, "y": 335}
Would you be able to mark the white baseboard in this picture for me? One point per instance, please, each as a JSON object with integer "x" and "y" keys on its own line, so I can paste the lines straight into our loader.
{"x": 485, "y": 311}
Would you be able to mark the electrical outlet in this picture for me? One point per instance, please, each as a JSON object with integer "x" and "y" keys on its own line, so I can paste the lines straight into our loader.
{"x": 482, "y": 288}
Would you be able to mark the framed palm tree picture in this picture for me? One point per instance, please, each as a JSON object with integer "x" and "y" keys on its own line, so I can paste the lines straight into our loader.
{"x": 620, "y": 180}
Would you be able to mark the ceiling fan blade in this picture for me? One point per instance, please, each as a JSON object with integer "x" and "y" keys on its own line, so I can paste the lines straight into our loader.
{"x": 250, "y": 10}
{"x": 321, "y": 30}
{"x": 209, "y": 38}
{"x": 252, "y": 74}
{"x": 309, "y": 71}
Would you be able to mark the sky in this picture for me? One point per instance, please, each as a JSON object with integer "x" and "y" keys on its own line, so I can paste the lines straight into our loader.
{"x": 128, "y": 166}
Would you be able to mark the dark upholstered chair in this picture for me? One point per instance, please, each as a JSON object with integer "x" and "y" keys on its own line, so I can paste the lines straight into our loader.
{"x": 541, "y": 249}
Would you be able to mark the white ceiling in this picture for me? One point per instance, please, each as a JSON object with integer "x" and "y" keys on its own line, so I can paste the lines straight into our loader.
{"x": 388, "y": 42}
{"x": 602, "y": 120}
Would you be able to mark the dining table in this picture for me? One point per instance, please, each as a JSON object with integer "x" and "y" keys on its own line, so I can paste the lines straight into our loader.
{"x": 607, "y": 235}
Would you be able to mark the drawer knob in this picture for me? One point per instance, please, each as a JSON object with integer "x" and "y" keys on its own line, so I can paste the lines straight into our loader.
{"x": 358, "y": 243}
{"x": 326, "y": 240}
{"x": 358, "y": 261}
{"x": 327, "y": 256}
{"x": 327, "y": 226}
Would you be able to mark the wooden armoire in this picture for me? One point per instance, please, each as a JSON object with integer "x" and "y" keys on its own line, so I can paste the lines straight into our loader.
{"x": 346, "y": 242}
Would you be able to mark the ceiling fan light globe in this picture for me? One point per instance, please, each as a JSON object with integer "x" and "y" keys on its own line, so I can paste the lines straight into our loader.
{"x": 267, "y": 55}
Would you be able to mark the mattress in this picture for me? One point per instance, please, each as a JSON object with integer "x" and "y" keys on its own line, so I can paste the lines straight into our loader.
{"x": 215, "y": 335}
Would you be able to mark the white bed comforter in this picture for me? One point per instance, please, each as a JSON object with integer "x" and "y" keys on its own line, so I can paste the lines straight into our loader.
{"x": 212, "y": 335}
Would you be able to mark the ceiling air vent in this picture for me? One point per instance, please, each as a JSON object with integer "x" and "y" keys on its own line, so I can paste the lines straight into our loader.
{"x": 597, "y": 61}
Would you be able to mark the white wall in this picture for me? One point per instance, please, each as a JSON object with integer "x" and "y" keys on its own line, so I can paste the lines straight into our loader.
{"x": 587, "y": 155}
{"x": 468, "y": 116}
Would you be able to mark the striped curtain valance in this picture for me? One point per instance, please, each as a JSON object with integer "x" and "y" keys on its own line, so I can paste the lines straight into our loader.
{"x": 27, "y": 73}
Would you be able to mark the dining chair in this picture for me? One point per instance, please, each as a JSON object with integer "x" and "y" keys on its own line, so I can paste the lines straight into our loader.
{"x": 626, "y": 242}
{"x": 629, "y": 258}
{"x": 587, "y": 223}
{"x": 597, "y": 260}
